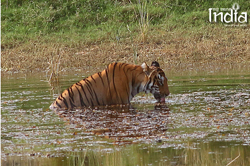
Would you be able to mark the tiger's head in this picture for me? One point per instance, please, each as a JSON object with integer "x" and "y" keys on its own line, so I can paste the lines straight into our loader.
{"x": 157, "y": 82}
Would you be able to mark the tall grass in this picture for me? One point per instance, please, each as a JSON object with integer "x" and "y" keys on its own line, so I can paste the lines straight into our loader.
{"x": 53, "y": 70}
{"x": 134, "y": 46}
{"x": 144, "y": 19}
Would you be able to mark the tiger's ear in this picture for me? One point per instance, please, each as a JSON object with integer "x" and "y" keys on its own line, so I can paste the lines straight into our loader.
{"x": 155, "y": 64}
{"x": 145, "y": 68}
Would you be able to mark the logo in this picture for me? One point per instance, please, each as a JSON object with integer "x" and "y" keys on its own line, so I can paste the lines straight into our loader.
{"x": 227, "y": 15}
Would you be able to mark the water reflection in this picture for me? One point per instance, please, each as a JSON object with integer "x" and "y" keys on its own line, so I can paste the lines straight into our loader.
{"x": 120, "y": 123}
{"x": 209, "y": 154}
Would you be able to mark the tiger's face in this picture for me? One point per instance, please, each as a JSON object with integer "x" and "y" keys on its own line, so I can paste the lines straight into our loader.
{"x": 157, "y": 83}
{"x": 160, "y": 87}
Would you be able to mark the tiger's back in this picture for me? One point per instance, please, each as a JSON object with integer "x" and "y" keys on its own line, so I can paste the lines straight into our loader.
{"x": 113, "y": 85}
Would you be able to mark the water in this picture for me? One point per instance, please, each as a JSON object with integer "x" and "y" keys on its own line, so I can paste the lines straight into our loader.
{"x": 205, "y": 122}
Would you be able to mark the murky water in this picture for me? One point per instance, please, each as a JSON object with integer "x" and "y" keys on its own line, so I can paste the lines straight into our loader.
{"x": 205, "y": 121}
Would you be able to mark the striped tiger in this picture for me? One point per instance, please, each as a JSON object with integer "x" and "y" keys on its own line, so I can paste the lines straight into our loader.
{"x": 117, "y": 84}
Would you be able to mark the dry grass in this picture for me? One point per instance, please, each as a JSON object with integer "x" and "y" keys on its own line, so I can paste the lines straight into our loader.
{"x": 175, "y": 49}
{"x": 53, "y": 71}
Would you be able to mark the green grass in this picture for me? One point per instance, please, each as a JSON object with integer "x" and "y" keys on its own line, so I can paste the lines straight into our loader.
{"x": 89, "y": 21}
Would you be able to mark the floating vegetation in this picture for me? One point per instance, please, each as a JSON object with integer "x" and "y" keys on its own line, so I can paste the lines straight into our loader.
{"x": 204, "y": 118}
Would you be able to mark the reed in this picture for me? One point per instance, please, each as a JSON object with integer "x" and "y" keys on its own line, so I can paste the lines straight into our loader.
{"x": 143, "y": 19}
{"x": 53, "y": 69}
{"x": 134, "y": 46}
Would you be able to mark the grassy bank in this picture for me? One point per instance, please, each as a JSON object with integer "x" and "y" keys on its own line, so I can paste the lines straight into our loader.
{"x": 39, "y": 35}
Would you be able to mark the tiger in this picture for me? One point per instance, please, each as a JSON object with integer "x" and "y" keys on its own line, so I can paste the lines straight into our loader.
{"x": 117, "y": 84}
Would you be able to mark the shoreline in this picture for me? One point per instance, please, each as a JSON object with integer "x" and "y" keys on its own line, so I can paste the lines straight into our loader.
{"x": 172, "y": 49}
{"x": 178, "y": 70}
